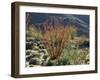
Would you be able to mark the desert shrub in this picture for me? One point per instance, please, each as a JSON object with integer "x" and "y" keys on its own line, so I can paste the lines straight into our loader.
{"x": 56, "y": 37}
{"x": 49, "y": 63}
{"x": 77, "y": 56}
{"x": 52, "y": 62}
{"x": 45, "y": 57}
{"x": 31, "y": 31}
{"x": 63, "y": 61}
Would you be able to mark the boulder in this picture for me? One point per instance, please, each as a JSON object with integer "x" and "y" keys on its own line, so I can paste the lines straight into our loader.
{"x": 34, "y": 61}
{"x": 29, "y": 45}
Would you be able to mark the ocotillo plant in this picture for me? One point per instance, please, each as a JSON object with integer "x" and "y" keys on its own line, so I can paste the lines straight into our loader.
{"x": 56, "y": 36}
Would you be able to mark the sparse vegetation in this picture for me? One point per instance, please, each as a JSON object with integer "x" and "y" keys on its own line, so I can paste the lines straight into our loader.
{"x": 55, "y": 45}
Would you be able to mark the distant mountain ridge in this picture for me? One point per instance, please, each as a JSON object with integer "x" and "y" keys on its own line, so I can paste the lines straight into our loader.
{"x": 81, "y": 22}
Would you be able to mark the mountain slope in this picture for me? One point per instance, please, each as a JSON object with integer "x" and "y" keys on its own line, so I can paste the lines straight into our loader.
{"x": 80, "y": 21}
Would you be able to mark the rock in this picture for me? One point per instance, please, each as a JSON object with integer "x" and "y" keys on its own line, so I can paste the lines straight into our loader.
{"x": 34, "y": 51}
{"x": 29, "y": 39}
{"x": 35, "y": 54}
{"x": 35, "y": 61}
{"x": 35, "y": 44}
{"x": 35, "y": 47}
{"x": 28, "y": 52}
{"x": 73, "y": 46}
{"x": 38, "y": 42}
{"x": 42, "y": 51}
{"x": 29, "y": 57}
{"x": 29, "y": 45}
{"x": 41, "y": 46}
{"x": 27, "y": 64}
